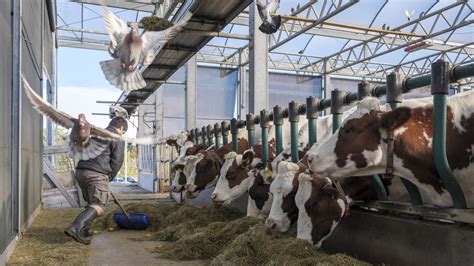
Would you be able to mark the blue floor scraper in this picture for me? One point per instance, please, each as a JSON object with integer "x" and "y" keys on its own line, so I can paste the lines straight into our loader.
{"x": 137, "y": 221}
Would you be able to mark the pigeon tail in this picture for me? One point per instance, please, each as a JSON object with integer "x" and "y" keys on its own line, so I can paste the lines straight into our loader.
{"x": 116, "y": 76}
{"x": 270, "y": 28}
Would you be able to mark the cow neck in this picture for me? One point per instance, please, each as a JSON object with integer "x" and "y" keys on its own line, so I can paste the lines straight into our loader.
{"x": 342, "y": 194}
{"x": 390, "y": 153}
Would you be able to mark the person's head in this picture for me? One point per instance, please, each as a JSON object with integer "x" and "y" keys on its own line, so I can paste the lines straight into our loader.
{"x": 120, "y": 124}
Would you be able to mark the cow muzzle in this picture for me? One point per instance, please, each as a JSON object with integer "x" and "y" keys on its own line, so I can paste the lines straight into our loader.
{"x": 270, "y": 223}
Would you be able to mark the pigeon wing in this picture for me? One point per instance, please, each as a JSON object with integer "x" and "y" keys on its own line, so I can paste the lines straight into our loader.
{"x": 273, "y": 6}
{"x": 153, "y": 39}
{"x": 47, "y": 109}
{"x": 116, "y": 27}
{"x": 107, "y": 135}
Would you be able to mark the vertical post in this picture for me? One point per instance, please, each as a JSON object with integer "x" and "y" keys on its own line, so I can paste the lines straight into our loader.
{"x": 16, "y": 116}
{"x": 191, "y": 134}
{"x": 198, "y": 134}
{"x": 327, "y": 86}
{"x": 217, "y": 135}
{"x": 234, "y": 130}
{"x": 203, "y": 136}
{"x": 364, "y": 89}
{"x": 250, "y": 130}
{"x": 258, "y": 65}
{"x": 337, "y": 104}
{"x": 294, "y": 118}
{"x": 190, "y": 93}
{"x": 312, "y": 114}
{"x": 225, "y": 132}
{"x": 439, "y": 89}
{"x": 210, "y": 130}
{"x": 394, "y": 98}
{"x": 278, "y": 123}
{"x": 264, "y": 125}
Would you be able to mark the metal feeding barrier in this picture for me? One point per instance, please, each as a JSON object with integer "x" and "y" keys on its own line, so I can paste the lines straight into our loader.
{"x": 395, "y": 86}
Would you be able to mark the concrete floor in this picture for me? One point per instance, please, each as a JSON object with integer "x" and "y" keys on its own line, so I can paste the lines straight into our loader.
{"x": 117, "y": 248}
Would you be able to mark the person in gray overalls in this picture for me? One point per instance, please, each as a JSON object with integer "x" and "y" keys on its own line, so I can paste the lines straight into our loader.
{"x": 93, "y": 177}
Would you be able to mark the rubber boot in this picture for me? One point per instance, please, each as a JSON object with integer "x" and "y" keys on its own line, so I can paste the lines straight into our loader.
{"x": 83, "y": 220}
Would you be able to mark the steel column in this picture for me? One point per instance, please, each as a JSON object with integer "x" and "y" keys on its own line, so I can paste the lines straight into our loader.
{"x": 294, "y": 118}
{"x": 264, "y": 125}
{"x": 203, "y": 136}
{"x": 197, "y": 135}
{"x": 278, "y": 123}
{"x": 258, "y": 64}
{"x": 190, "y": 93}
{"x": 440, "y": 79}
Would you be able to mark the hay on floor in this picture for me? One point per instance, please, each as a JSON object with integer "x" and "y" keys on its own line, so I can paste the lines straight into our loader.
{"x": 46, "y": 243}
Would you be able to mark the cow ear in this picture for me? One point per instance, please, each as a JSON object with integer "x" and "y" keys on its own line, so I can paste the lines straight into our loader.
{"x": 247, "y": 159}
{"x": 171, "y": 142}
{"x": 330, "y": 191}
{"x": 395, "y": 119}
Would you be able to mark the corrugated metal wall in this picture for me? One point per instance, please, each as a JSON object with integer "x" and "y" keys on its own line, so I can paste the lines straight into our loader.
{"x": 6, "y": 225}
{"x": 36, "y": 50}
{"x": 32, "y": 122}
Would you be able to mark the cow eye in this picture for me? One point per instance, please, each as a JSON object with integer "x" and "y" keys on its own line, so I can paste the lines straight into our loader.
{"x": 348, "y": 130}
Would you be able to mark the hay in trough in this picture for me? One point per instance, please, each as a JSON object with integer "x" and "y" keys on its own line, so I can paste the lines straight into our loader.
{"x": 207, "y": 242}
{"x": 260, "y": 246}
{"x": 46, "y": 243}
{"x": 154, "y": 23}
{"x": 187, "y": 218}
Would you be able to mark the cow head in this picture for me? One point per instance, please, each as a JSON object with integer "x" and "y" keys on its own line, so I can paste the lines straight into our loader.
{"x": 233, "y": 180}
{"x": 260, "y": 199}
{"x": 357, "y": 146}
{"x": 320, "y": 206}
{"x": 179, "y": 165}
{"x": 283, "y": 188}
{"x": 205, "y": 170}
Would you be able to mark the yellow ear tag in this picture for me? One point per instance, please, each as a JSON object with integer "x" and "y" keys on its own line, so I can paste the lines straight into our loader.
{"x": 268, "y": 172}
{"x": 179, "y": 170}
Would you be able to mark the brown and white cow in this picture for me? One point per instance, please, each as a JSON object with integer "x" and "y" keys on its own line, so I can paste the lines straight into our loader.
{"x": 359, "y": 147}
{"x": 206, "y": 167}
{"x": 246, "y": 173}
{"x": 179, "y": 165}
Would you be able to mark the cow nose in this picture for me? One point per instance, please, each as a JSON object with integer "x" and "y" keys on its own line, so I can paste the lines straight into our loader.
{"x": 187, "y": 186}
{"x": 214, "y": 196}
{"x": 270, "y": 223}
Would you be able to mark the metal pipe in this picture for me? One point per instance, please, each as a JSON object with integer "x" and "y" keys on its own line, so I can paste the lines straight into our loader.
{"x": 209, "y": 135}
{"x": 312, "y": 114}
{"x": 234, "y": 130}
{"x": 250, "y": 130}
{"x": 264, "y": 125}
{"x": 203, "y": 136}
{"x": 294, "y": 118}
{"x": 218, "y": 34}
{"x": 337, "y": 104}
{"x": 197, "y": 134}
{"x": 278, "y": 122}
{"x": 439, "y": 89}
{"x": 225, "y": 127}
{"x": 217, "y": 135}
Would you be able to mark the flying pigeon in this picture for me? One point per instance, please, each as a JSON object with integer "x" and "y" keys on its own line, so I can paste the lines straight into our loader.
{"x": 130, "y": 50}
{"x": 86, "y": 141}
{"x": 118, "y": 110}
{"x": 270, "y": 24}
{"x": 409, "y": 14}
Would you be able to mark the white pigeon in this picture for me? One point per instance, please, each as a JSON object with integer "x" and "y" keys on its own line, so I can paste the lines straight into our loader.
{"x": 130, "y": 50}
{"x": 270, "y": 24}
{"x": 85, "y": 141}
{"x": 118, "y": 110}
{"x": 409, "y": 14}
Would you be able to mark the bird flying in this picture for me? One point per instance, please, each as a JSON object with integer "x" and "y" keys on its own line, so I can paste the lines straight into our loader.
{"x": 86, "y": 141}
{"x": 130, "y": 50}
{"x": 270, "y": 24}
